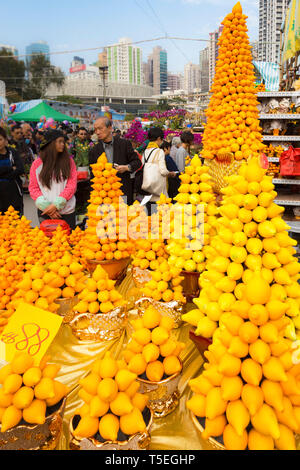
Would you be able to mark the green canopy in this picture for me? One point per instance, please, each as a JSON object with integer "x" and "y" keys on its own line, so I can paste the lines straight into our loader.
{"x": 43, "y": 109}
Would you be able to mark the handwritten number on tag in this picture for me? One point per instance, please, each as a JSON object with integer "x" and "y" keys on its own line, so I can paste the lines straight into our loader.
{"x": 33, "y": 338}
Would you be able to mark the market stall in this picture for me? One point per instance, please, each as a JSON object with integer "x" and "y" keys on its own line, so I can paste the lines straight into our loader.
{"x": 35, "y": 113}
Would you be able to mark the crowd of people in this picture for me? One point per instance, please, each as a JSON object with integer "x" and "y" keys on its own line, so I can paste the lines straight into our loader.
{"x": 46, "y": 162}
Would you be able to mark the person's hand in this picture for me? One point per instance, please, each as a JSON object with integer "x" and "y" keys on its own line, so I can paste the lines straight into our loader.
{"x": 172, "y": 174}
{"x": 52, "y": 212}
{"x": 55, "y": 215}
{"x": 122, "y": 168}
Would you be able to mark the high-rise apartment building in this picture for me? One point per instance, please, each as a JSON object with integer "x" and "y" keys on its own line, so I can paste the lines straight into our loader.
{"x": 254, "y": 50}
{"x": 125, "y": 63}
{"x": 175, "y": 81}
{"x": 147, "y": 75}
{"x": 40, "y": 47}
{"x": 271, "y": 16}
{"x": 158, "y": 70}
{"x": 192, "y": 77}
{"x": 102, "y": 59}
{"x": 213, "y": 50}
{"x": 204, "y": 69}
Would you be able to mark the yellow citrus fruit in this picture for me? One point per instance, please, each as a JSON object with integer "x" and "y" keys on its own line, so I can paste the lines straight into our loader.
{"x": 155, "y": 371}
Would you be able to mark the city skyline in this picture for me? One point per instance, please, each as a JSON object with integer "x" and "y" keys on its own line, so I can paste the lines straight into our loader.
{"x": 137, "y": 19}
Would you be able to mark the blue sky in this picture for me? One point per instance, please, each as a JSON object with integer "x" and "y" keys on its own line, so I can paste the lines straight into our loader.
{"x": 69, "y": 25}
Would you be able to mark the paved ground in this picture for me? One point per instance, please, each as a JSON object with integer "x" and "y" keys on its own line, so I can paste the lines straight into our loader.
{"x": 30, "y": 211}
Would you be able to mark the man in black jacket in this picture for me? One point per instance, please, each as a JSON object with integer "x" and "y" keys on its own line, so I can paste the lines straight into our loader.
{"x": 119, "y": 152}
{"x": 11, "y": 168}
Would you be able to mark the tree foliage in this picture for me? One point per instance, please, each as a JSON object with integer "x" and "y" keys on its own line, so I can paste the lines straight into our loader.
{"x": 68, "y": 99}
{"x": 12, "y": 72}
{"x": 41, "y": 74}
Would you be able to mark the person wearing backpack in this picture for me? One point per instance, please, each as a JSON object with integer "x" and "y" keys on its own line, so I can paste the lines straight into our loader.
{"x": 11, "y": 168}
{"x": 154, "y": 171}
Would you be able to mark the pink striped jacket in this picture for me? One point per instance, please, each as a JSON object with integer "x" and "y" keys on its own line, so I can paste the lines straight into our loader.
{"x": 61, "y": 189}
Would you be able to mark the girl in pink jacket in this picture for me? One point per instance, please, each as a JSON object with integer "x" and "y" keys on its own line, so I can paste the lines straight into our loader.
{"x": 53, "y": 180}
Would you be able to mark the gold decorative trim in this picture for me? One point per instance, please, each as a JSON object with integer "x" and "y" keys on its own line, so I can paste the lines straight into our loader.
{"x": 210, "y": 443}
{"x": 100, "y": 326}
{"x": 139, "y": 441}
{"x": 163, "y": 396}
{"x": 173, "y": 309}
{"x": 35, "y": 436}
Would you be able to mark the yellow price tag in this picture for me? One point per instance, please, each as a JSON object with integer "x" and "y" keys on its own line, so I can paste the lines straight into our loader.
{"x": 30, "y": 329}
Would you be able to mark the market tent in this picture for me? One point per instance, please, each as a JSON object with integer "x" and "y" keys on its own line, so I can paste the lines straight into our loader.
{"x": 35, "y": 113}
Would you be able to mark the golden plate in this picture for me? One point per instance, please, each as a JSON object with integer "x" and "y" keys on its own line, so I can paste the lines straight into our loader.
{"x": 66, "y": 308}
{"x": 207, "y": 444}
{"x": 163, "y": 396}
{"x": 35, "y": 436}
{"x": 100, "y": 326}
{"x": 141, "y": 276}
{"x": 173, "y": 309}
{"x": 116, "y": 269}
{"x": 139, "y": 441}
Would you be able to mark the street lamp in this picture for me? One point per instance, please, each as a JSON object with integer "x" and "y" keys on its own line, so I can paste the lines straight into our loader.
{"x": 103, "y": 72}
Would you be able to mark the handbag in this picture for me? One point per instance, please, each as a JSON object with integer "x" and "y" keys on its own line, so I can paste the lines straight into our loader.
{"x": 290, "y": 162}
{"x": 153, "y": 182}
{"x": 139, "y": 175}
{"x": 49, "y": 227}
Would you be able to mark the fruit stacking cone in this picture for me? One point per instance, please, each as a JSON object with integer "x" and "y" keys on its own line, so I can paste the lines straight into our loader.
{"x": 152, "y": 351}
{"x": 20, "y": 248}
{"x": 232, "y": 131}
{"x": 150, "y": 250}
{"x": 98, "y": 294}
{"x": 111, "y": 402}
{"x": 194, "y": 219}
{"x": 106, "y": 236}
{"x": 27, "y": 391}
{"x": 249, "y": 392}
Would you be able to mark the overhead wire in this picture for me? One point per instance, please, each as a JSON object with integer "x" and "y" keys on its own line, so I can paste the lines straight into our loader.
{"x": 108, "y": 45}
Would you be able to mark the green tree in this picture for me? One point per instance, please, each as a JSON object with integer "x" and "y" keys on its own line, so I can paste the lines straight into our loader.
{"x": 12, "y": 72}
{"x": 163, "y": 105}
{"x": 68, "y": 99}
{"x": 41, "y": 74}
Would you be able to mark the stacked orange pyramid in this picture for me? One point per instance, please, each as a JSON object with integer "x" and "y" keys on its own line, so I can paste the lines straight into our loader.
{"x": 249, "y": 392}
{"x": 232, "y": 116}
{"x": 150, "y": 250}
{"x": 106, "y": 236}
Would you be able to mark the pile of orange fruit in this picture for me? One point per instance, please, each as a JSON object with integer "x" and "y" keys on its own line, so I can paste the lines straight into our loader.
{"x": 99, "y": 294}
{"x": 194, "y": 219}
{"x": 151, "y": 248}
{"x": 75, "y": 238}
{"x": 113, "y": 407}
{"x": 20, "y": 248}
{"x": 152, "y": 350}
{"x": 165, "y": 284}
{"x": 232, "y": 115}
{"x": 106, "y": 236}
{"x": 58, "y": 246}
{"x": 28, "y": 390}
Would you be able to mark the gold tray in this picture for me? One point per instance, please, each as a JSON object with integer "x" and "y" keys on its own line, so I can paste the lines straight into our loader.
{"x": 139, "y": 441}
{"x": 116, "y": 269}
{"x": 35, "y": 436}
{"x": 163, "y": 396}
{"x": 173, "y": 309}
{"x": 100, "y": 326}
{"x": 66, "y": 308}
{"x": 141, "y": 276}
{"x": 207, "y": 444}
